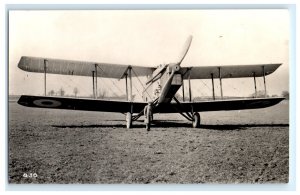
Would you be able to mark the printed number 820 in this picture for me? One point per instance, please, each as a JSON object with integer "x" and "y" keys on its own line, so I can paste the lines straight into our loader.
{"x": 30, "y": 175}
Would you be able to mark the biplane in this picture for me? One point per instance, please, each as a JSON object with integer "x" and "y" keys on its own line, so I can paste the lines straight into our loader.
{"x": 169, "y": 76}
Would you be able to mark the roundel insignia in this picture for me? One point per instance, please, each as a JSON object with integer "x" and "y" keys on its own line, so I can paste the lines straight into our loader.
{"x": 47, "y": 103}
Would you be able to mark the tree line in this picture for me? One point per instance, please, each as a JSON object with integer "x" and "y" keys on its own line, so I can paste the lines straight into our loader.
{"x": 61, "y": 92}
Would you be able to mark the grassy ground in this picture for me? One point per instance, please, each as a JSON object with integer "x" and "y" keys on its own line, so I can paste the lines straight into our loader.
{"x": 92, "y": 147}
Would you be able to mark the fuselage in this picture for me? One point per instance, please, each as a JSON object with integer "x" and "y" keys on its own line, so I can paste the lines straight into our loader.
{"x": 163, "y": 84}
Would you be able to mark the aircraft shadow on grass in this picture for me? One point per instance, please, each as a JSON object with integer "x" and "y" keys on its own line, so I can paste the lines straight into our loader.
{"x": 173, "y": 124}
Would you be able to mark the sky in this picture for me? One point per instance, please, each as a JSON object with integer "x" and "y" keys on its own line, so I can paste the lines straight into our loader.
{"x": 149, "y": 38}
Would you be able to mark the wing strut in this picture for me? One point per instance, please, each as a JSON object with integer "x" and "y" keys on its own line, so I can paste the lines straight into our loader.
{"x": 130, "y": 83}
{"x": 183, "y": 99}
{"x": 45, "y": 76}
{"x": 264, "y": 75}
{"x": 93, "y": 76}
{"x": 127, "y": 74}
{"x": 220, "y": 82}
{"x": 96, "y": 84}
{"x": 126, "y": 83}
{"x": 255, "y": 84}
{"x": 190, "y": 91}
{"x": 213, "y": 86}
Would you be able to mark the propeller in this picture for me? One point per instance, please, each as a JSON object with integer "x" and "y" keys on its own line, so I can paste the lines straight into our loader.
{"x": 176, "y": 66}
{"x": 173, "y": 66}
{"x": 187, "y": 46}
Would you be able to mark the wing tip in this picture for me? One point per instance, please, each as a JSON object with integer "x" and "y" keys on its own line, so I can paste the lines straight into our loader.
{"x": 21, "y": 62}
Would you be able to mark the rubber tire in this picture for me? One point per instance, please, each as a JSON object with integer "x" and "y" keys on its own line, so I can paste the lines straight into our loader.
{"x": 196, "y": 121}
{"x": 128, "y": 120}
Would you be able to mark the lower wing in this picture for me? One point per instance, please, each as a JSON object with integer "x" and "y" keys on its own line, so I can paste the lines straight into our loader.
{"x": 220, "y": 105}
{"x": 81, "y": 104}
{"x": 137, "y": 107}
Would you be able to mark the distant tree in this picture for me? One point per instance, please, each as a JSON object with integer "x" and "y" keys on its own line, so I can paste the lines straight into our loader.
{"x": 51, "y": 93}
{"x": 274, "y": 95}
{"x": 286, "y": 94}
{"x": 61, "y": 92}
{"x": 75, "y": 91}
{"x": 133, "y": 97}
{"x": 121, "y": 97}
{"x": 102, "y": 93}
{"x": 259, "y": 94}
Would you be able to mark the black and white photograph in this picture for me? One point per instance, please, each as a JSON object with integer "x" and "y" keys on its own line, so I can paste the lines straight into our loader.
{"x": 195, "y": 96}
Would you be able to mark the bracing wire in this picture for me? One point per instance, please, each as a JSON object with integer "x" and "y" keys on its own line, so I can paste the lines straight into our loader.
{"x": 208, "y": 89}
{"x": 70, "y": 79}
{"x": 235, "y": 88}
{"x": 110, "y": 80}
{"x": 260, "y": 84}
{"x": 116, "y": 86}
{"x": 139, "y": 93}
{"x": 63, "y": 79}
{"x": 102, "y": 79}
{"x": 140, "y": 82}
{"x": 80, "y": 85}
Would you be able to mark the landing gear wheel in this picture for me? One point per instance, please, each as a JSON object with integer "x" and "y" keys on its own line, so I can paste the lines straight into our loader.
{"x": 128, "y": 120}
{"x": 196, "y": 121}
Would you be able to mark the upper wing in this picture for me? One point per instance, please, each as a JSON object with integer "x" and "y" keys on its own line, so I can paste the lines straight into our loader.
{"x": 81, "y": 104}
{"x": 236, "y": 71}
{"x": 219, "y": 105}
{"x": 80, "y": 68}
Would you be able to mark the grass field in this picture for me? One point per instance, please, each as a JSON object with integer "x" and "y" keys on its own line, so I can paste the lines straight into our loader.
{"x": 59, "y": 146}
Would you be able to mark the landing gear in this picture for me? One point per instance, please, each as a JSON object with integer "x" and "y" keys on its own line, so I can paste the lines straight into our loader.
{"x": 128, "y": 120}
{"x": 196, "y": 120}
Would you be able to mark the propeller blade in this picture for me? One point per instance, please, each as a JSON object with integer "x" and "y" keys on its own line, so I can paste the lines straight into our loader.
{"x": 186, "y": 48}
{"x": 159, "y": 71}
